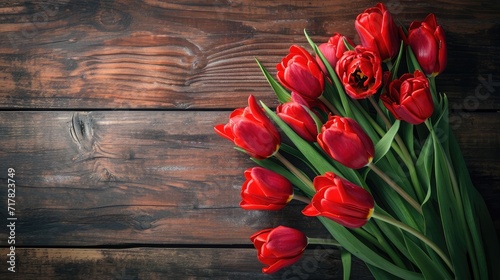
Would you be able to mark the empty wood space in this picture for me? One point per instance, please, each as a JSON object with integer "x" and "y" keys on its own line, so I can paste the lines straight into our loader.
{"x": 107, "y": 111}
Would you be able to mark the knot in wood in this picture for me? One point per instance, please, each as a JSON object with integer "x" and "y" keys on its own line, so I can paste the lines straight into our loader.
{"x": 109, "y": 19}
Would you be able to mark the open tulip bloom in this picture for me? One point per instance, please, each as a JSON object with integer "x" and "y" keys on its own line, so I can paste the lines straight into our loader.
{"x": 371, "y": 156}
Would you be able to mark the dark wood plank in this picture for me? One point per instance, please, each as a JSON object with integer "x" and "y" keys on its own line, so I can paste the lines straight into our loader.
{"x": 156, "y": 177}
{"x": 170, "y": 263}
{"x": 194, "y": 54}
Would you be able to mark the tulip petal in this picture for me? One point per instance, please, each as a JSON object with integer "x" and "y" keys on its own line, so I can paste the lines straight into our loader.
{"x": 425, "y": 47}
{"x": 281, "y": 263}
{"x": 279, "y": 247}
{"x": 220, "y": 129}
{"x": 341, "y": 201}
{"x": 310, "y": 211}
{"x": 348, "y": 155}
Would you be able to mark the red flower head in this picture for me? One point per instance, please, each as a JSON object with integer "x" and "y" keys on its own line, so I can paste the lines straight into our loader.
{"x": 378, "y": 32}
{"x": 299, "y": 72}
{"x": 333, "y": 50}
{"x": 360, "y": 71}
{"x": 314, "y": 105}
{"x": 341, "y": 201}
{"x": 251, "y": 130}
{"x": 298, "y": 117}
{"x": 409, "y": 98}
{"x": 428, "y": 42}
{"x": 346, "y": 142}
{"x": 279, "y": 247}
{"x": 265, "y": 190}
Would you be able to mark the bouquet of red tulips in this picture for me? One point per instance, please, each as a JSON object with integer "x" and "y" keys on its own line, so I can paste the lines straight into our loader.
{"x": 362, "y": 137}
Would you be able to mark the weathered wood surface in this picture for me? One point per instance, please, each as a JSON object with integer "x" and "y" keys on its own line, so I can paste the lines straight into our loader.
{"x": 111, "y": 178}
{"x": 153, "y": 193}
{"x": 200, "y": 54}
{"x": 169, "y": 263}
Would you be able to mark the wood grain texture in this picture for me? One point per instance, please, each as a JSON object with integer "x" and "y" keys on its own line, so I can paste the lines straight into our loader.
{"x": 170, "y": 263}
{"x": 200, "y": 54}
{"x": 153, "y": 193}
{"x": 135, "y": 177}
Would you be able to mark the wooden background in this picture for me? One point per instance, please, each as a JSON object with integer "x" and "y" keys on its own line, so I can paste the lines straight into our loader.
{"x": 107, "y": 111}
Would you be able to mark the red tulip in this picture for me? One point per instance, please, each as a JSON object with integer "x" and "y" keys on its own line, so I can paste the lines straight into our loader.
{"x": 314, "y": 105}
{"x": 265, "y": 190}
{"x": 333, "y": 50}
{"x": 360, "y": 71}
{"x": 341, "y": 201}
{"x": 346, "y": 142}
{"x": 279, "y": 247}
{"x": 299, "y": 119}
{"x": 409, "y": 98}
{"x": 428, "y": 42}
{"x": 299, "y": 72}
{"x": 378, "y": 32}
{"x": 251, "y": 130}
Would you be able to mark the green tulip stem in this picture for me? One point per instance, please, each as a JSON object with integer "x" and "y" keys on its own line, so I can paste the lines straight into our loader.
{"x": 301, "y": 198}
{"x": 403, "y": 152}
{"x": 417, "y": 234}
{"x": 379, "y": 112}
{"x": 296, "y": 172}
{"x": 329, "y": 105}
{"x": 432, "y": 86}
{"x": 373, "y": 123}
{"x": 322, "y": 241}
{"x": 395, "y": 187}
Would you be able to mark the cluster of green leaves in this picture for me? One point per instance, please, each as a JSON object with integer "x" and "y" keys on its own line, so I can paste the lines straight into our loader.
{"x": 430, "y": 169}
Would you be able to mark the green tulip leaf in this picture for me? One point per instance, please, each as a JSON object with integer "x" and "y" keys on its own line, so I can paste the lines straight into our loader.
{"x": 297, "y": 154}
{"x": 276, "y": 167}
{"x": 315, "y": 118}
{"x": 378, "y": 273}
{"x": 484, "y": 233}
{"x": 431, "y": 269}
{"x": 393, "y": 234}
{"x": 424, "y": 166}
{"x": 359, "y": 249}
{"x": 478, "y": 219}
{"x": 332, "y": 95}
{"x": 347, "y": 173}
{"x": 346, "y": 258}
{"x": 347, "y": 45}
{"x": 407, "y": 134}
{"x": 281, "y": 92}
{"x": 453, "y": 227}
{"x": 314, "y": 157}
{"x": 333, "y": 75}
{"x": 383, "y": 146}
{"x": 411, "y": 60}
{"x": 395, "y": 67}
{"x": 391, "y": 200}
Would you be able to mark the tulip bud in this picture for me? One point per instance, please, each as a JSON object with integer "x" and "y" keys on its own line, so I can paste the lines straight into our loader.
{"x": 409, "y": 98}
{"x": 265, "y": 190}
{"x": 341, "y": 201}
{"x": 250, "y": 129}
{"x": 279, "y": 247}
{"x": 333, "y": 50}
{"x": 378, "y": 32}
{"x": 345, "y": 141}
{"x": 427, "y": 40}
{"x": 299, "y": 119}
{"x": 360, "y": 71}
{"x": 299, "y": 72}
